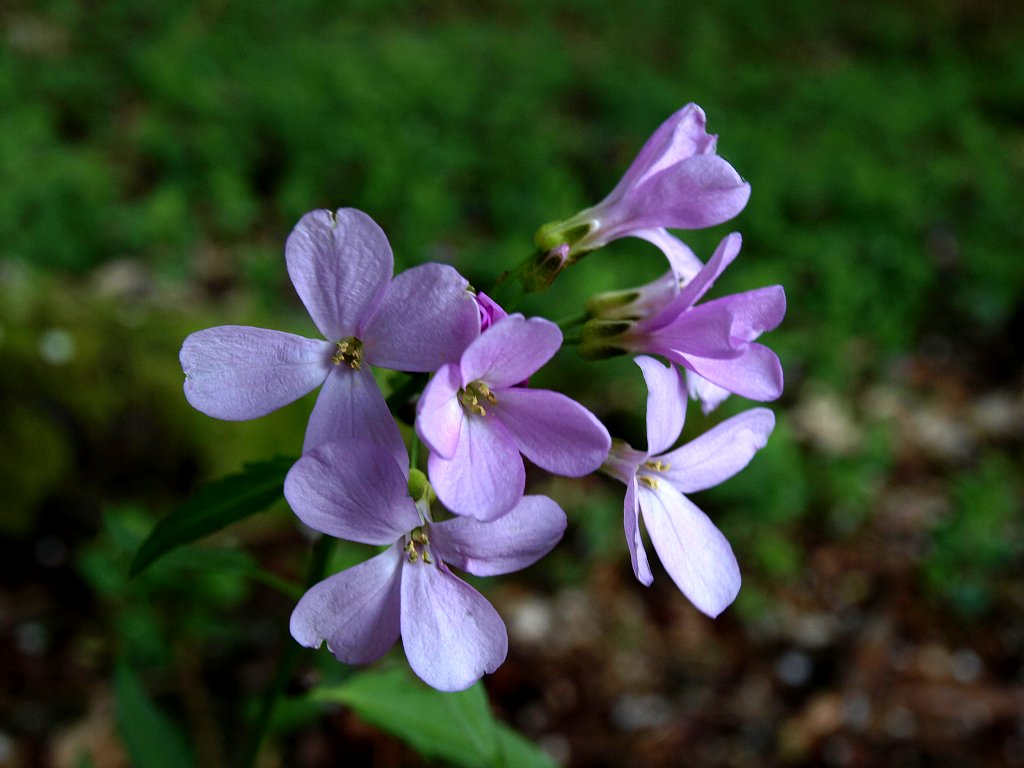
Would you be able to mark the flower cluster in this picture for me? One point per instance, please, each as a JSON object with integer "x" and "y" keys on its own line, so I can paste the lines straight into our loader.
{"x": 478, "y": 417}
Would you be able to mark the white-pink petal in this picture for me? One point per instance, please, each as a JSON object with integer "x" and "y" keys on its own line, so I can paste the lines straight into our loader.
{"x": 485, "y": 477}
{"x": 452, "y": 635}
{"x": 693, "y": 551}
{"x": 356, "y": 611}
{"x": 515, "y": 540}
{"x": 510, "y": 351}
{"x": 634, "y": 541}
{"x": 427, "y": 318}
{"x": 553, "y": 431}
{"x": 666, "y": 403}
{"x": 719, "y": 453}
{"x": 340, "y": 265}
{"x": 236, "y": 372}
{"x": 352, "y": 490}
{"x": 439, "y": 413}
{"x": 350, "y": 407}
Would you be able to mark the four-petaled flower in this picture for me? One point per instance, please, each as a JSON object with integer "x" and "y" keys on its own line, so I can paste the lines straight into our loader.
{"x": 676, "y": 181}
{"x": 694, "y": 552}
{"x": 476, "y": 421}
{"x": 341, "y": 267}
{"x": 452, "y": 635}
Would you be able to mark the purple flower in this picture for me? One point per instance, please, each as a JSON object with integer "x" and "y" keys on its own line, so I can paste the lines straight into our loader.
{"x": 490, "y": 310}
{"x": 714, "y": 340}
{"x": 476, "y": 421}
{"x": 694, "y": 552}
{"x": 452, "y": 635}
{"x": 676, "y": 181}
{"x": 341, "y": 266}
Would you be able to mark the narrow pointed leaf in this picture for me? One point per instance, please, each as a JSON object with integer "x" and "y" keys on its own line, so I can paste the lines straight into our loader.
{"x": 214, "y": 507}
{"x": 151, "y": 739}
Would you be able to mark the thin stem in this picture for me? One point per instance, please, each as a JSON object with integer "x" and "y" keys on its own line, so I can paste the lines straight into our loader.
{"x": 286, "y": 665}
{"x": 572, "y": 321}
{"x": 571, "y": 341}
{"x": 414, "y": 451}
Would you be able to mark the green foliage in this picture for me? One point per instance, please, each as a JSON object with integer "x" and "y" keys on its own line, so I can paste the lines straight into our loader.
{"x": 980, "y": 539}
{"x": 150, "y": 737}
{"x": 456, "y": 728}
{"x": 214, "y": 507}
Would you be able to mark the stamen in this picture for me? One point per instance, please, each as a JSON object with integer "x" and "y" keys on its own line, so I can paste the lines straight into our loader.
{"x": 416, "y": 546}
{"x": 649, "y": 481}
{"x": 350, "y": 351}
{"x": 471, "y": 396}
{"x": 657, "y": 466}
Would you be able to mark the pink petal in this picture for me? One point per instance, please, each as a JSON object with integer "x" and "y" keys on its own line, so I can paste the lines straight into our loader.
{"x": 350, "y": 407}
{"x": 681, "y": 136}
{"x": 719, "y": 453}
{"x": 340, "y": 265}
{"x": 235, "y": 372}
{"x": 666, "y": 403}
{"x": 553, "y": 431}
{"x": 726, "y": 252}
{"x": 510, "y": 351}
{"x": 352, "y": 490}
{"x": 426, "y": 319}
{"x": 756, "y": 373}
{"x": 519, "y": 538}
{"x": 705, "y": 331}
{"x": 452, "y": 635}
{"x": 694, "y": 552}
{"x": 485, "y": 476}
{"x": 698, "y": 192}
{"x": 439, "y": 414}
{"x": 753, "y": 312}
{"x": 634, "y": 542}
{"x": 356, "y": 611}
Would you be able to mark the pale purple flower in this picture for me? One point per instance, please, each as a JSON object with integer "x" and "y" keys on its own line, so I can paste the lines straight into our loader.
{"x": 715, "y": 340}
{"x": 341, "y": 266}
{"x": 452, "y": 635}
{"x": 490, "y": 310}
{"x": 477, "y": 421}
{"x": 676, "y": 181}
{"x": 693, "y": 551}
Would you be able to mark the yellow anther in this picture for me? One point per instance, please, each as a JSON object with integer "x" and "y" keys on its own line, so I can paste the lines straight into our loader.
{"x": 350, "y": 351}
{"x": 657, "y": 466}
{"x": 471, "y": 396}
{"x": 649, "y": 481}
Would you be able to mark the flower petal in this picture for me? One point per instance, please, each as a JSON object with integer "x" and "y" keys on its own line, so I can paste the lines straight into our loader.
{"x": 666, "y": 403}
{"x": 681, "y": 136}
{"x": 350, "y": 406}
{"x": 553, "y": 431}
{"x": 698, "y": 192}
{"x": 519, "y": 538}
{"x": 510, "y": 351}
{"x": 426, "y": 319}
{"x": 709, "y": 395}
{"x": 756, "y": 373}
{"x": 356, "y": 611}
{"x": 694, "y": 552}
{"x": 236, "y": 372}
{"x": 439, "y": 414}
{"x": 451, "y": 634}
{"x": 623, "y": 461}
{"x": 634, "y": 542}
{"x": 705, "y": 331}
{"x": 684, "y": 262}
{"x": 485, "y": 476}
{"x": 340, "y": 265}
{"x": 726, "y": 252}
{"x": 719, "y": 453}
{"x": 753, "y": 312}
{"x": 352, "y": 490}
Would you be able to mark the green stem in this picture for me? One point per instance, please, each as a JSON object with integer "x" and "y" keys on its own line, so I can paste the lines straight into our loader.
{"x": 289, "y": 660}
{"x": 572, "y": 321}
{"x": 414, "y": 451}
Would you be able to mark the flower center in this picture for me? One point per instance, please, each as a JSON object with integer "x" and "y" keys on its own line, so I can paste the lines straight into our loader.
{"x": 417, "y": 546}
{"x": 655, "y": 466}
{"x": 349, "y": 351}
{"x": 474, "y": 394}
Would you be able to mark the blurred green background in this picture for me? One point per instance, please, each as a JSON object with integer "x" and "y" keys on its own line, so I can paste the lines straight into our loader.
{"x": 153, "y": 158}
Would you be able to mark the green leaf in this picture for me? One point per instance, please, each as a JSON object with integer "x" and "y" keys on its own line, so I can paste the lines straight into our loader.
{"x": 151, "y": 739}
{"x": 216, "y": 506}
{"x": 457, "y": 728}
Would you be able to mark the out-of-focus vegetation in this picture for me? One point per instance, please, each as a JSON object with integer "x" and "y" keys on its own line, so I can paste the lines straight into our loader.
{"x": 154, "y": 156}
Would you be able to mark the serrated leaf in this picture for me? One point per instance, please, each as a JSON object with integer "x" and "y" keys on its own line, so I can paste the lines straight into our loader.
{"x": 216, "y": 506}
{"x": 457, "y": 728}
{"x": 150, "y": 738}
